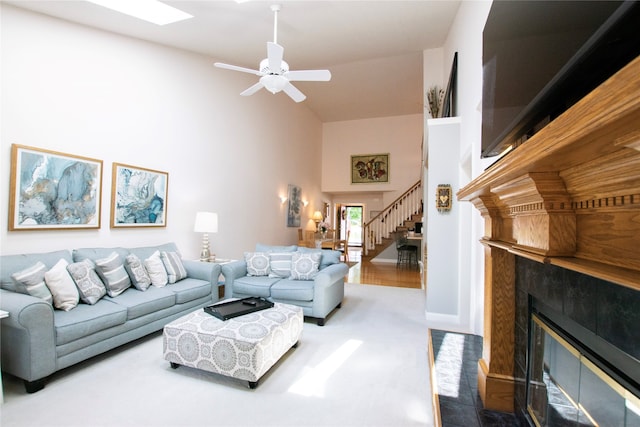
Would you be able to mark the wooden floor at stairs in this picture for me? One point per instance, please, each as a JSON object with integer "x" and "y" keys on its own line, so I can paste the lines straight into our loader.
{"x": 368, "y": 273}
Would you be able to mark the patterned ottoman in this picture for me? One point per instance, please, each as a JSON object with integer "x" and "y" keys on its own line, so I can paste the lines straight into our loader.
{"x": 243, "y": 347}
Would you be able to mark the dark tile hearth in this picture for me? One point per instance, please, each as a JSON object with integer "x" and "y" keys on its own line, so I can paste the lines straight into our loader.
{"x": 456, "y": 365}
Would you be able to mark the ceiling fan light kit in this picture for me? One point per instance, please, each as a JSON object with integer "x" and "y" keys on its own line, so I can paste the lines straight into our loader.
{"x": 274, "y": 71}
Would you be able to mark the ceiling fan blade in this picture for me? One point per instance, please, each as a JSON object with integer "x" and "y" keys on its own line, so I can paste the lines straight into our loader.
{"x": 236, "y": 68}
{"x": 253, "y": 89}
{"x": 274, "y": 55}
{"x": 294, "y": 93}
{"x": 308, "y": 75}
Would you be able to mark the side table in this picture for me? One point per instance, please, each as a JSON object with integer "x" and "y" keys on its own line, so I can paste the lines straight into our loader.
{"x": 3, "y": 314}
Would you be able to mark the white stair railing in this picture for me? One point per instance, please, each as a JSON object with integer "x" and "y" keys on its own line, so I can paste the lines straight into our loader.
{"x": 393, "y": 216}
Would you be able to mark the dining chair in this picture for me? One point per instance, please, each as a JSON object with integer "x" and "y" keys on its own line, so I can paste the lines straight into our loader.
{"x": 343, "y": 246}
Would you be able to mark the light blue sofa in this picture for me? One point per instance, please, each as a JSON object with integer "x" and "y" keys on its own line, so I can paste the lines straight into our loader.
{"x": 317, "y": 297}
{"x": 38, "y": 340}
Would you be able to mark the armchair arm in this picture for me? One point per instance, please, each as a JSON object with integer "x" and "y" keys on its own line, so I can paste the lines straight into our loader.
{"x": 232, "y": 271}
{"x": 28, "y": 336}
{"x": 330, "y": 274}
{"x": 328, "y": 290}
{"x": 208, "y": 271}
{"x": 204, "y": 271}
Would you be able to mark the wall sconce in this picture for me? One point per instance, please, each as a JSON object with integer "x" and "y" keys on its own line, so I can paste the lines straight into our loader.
{"x": 206, "y": 222}
{"x": 317, "y": 217}
{"x": 283, "y": 199}
{"x": 305, "y": 203}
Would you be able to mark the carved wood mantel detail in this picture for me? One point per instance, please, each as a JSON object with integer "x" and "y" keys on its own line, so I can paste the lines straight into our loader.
{"x": 569, "y": 196}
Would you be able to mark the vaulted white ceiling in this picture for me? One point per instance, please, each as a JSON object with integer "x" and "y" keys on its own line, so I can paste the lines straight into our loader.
{"x": 372, "y": 48}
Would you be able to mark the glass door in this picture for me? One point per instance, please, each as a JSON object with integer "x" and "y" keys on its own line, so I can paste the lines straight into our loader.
{"x": 351, "y": 224}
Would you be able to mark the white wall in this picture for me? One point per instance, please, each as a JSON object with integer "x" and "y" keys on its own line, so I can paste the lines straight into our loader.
{"x": 77, "y": 90}
{"x": 465, "y": 37}
{"x": 400, "y": 136}
{"x": 444, "y": 290}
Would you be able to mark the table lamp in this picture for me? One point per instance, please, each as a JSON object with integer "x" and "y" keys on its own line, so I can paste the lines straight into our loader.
{"x": 317, "y": 217}
{"x": 206, "y": 222}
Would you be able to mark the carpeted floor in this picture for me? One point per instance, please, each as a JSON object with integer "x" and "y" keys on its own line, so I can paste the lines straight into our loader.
{"x": 367, "y": 367}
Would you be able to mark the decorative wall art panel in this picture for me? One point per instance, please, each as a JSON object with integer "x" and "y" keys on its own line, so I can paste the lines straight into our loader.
{"x": 370, "y": 168}
{"x": 293, "y": 210}
{"x": 138, "y": 197}
{"x": 51, "y": 190}
{"x": 443, "y": 198}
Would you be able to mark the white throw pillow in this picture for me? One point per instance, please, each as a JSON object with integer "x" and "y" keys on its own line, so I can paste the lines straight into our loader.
{"x": 62, "y": 287}
{"x": 304, "y": 265}
{"x": 257, "y": 263}
{"x": 280, "y": 264}
{"x": 156, "y": 270}
{"x": 32, "y": 279}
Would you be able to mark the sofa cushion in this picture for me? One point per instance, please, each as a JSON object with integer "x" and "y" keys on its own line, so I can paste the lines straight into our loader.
{"x": 190, "y": 289}
{"x": 173, "y": 265}
{"x": 280, "y": 264}
{"x": 293, "y": 290}
{"x": 9, "y": 264}
{"x": 97, "y": 253}
{"x": 31, "y": 279}
{"x": 257, "y": 263}
{"x": 138, "y": 274}
{"x": 145, "y": 252}
{"x": 114, "y": 276}
{"x": 89, "y": 284}
{"x": 304, "y": 265}
{"x": 62, "y": 287}
{"x": 329, "y": 257}
{"x": 138, "y": 303}
{"x": 260, "y": 247}
{"x": 254, "y": 286}
{"x": 156, "y": 270}
{"x": 86, "y": 320}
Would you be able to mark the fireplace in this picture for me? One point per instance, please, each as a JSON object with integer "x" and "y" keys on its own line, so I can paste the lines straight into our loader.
{"x": 578, "y": 360}
{"x": 561, "y": 231}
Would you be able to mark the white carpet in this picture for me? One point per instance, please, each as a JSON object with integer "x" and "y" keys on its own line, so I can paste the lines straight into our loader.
{"x": 366, "y": 367}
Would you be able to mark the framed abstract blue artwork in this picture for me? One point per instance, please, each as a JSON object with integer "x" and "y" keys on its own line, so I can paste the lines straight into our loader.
{"x": 51, "y": 190}
{"x": 138, "y": 197}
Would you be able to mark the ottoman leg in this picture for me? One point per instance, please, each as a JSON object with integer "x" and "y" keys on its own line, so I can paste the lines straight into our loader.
{"x": 174, "y": 365}
{"x": 253, "y": 384}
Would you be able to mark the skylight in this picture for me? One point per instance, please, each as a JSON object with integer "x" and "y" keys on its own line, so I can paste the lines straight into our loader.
{"x": 148, "y": 10}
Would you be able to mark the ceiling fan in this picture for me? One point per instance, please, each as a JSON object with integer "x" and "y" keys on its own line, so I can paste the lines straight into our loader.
{"x": 274, "y": 71}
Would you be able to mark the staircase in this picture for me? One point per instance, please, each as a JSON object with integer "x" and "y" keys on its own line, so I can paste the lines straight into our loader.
{"x": 399, "y": 215}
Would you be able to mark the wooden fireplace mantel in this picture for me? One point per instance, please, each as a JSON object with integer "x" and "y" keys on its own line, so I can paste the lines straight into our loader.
{"x": 569, "y": 196}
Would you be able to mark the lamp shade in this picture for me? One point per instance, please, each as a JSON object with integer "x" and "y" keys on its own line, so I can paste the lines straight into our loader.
{"x": 317, "y": 216}
{"x": 206, "y": 222}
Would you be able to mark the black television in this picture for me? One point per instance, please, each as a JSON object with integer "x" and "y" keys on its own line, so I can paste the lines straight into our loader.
{"x": 541, "y": 57}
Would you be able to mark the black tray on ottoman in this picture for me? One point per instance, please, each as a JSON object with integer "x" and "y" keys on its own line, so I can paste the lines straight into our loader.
{"x": 239, "y": 307}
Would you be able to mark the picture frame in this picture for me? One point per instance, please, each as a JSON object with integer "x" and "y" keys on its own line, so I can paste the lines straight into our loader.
{"x": 293, "y": 209}
{"x": 370, "y": 168}
{"x": 50, "y": 190}
{"x": 449, "y": 107}
{"x": 443, "y": 198}
{"x": 138, "y": 197}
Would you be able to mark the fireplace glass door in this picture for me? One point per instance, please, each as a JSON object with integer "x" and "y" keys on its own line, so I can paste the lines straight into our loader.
{"x": 566, "y": 389}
